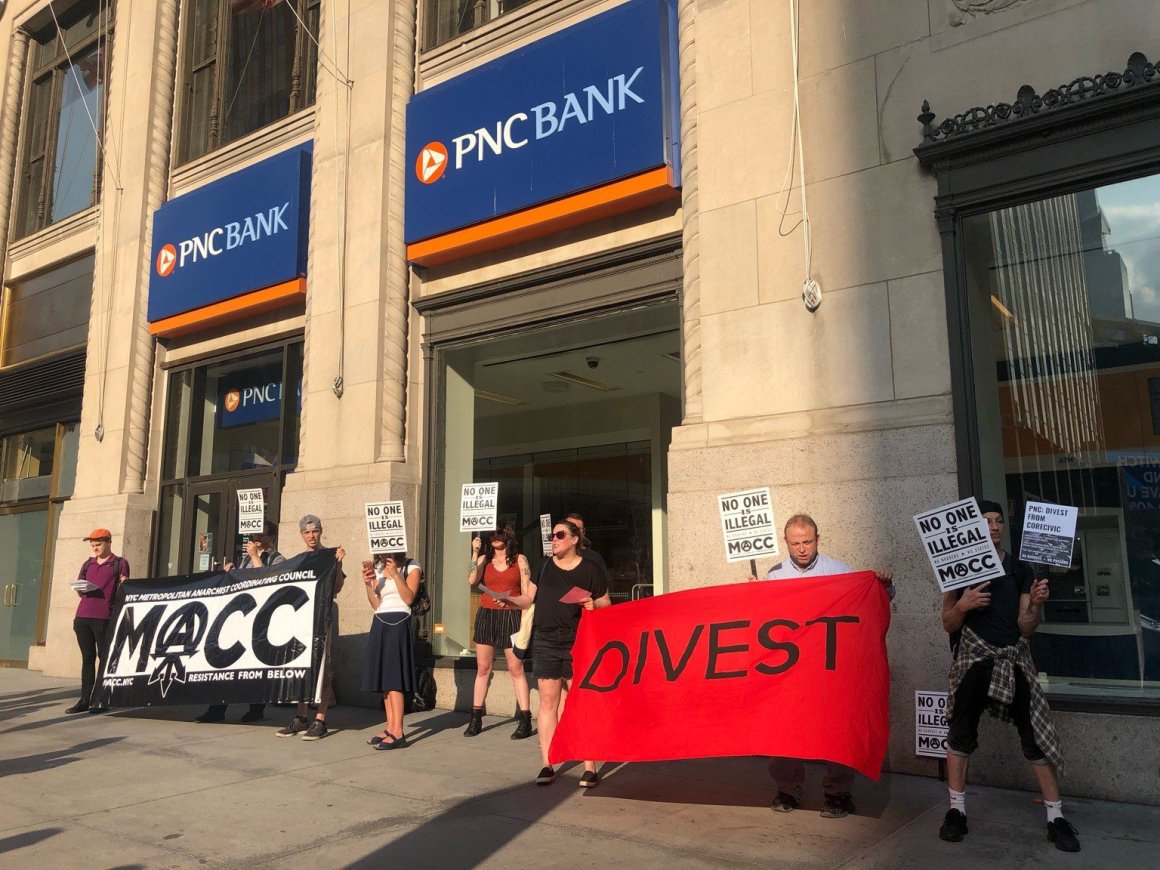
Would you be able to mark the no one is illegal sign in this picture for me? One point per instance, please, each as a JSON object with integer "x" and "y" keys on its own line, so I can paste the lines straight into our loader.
{"x": 958, "y": 545}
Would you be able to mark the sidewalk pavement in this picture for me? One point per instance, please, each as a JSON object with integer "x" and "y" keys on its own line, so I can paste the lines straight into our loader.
{"x": 150, "y": 788}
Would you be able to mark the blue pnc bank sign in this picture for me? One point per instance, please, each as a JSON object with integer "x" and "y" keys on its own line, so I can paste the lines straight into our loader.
{"x": 245, "y": 232}
{"x": 590, "y": 105}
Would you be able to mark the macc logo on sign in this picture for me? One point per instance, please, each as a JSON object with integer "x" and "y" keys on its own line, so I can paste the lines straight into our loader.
{"x": 227, "y": 237}
{"x": 545, "y": 120}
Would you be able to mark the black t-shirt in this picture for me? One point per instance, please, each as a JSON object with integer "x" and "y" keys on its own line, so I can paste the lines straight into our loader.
{"x": 998, "y": 623}
{"x": 553, "y": 583}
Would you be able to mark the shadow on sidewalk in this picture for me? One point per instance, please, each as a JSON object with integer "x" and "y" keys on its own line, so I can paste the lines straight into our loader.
{"x": 57, "y": 758}
{"x": 28, "y": 838}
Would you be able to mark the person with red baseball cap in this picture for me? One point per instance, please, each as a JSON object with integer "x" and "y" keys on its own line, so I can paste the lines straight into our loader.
{"x": 95, "y": 586}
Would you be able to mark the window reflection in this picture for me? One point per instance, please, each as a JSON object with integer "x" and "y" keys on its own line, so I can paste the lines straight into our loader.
{"x": 1065, "y": 324}
{"x": 76, "y": 162}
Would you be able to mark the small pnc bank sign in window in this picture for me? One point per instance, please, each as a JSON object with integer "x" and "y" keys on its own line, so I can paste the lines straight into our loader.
{"x": 586, "y": 107}
{"x": 242, "y": 233}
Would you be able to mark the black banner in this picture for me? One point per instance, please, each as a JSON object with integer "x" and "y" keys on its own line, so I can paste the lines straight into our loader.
{"x": 250, "y": 636}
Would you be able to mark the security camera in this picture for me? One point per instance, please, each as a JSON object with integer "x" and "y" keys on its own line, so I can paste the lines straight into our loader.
{"x": 593, "y": 361}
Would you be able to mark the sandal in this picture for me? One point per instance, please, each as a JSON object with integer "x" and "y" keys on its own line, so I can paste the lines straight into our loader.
{"x": 387, "y": 742}
{"x": 377, "y": 739}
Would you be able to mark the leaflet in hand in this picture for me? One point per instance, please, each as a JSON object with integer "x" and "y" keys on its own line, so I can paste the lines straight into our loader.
{"x": 575, "y": 595}
{"x": 84, "y": 586}
{"x": 499, "y": 596}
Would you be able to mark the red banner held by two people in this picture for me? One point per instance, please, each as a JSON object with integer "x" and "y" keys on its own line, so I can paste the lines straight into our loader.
{"x": 794, "y": 668}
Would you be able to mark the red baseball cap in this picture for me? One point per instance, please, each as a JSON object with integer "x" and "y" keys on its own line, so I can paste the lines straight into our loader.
{"x": 99, "y": 534}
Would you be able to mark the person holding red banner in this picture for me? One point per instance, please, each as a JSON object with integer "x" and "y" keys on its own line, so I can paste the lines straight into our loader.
{"x": 556, "y": 594}
{"x": 801, "y": 541}
{"x": 993, "y": 670}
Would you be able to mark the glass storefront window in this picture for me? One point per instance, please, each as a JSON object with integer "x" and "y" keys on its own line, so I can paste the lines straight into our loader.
{"x": 1065, "y": 332}
{"x": 26, "y": 465}
{"x": 230, "y": 424}
{"x": 228, "y": 416}
{"x": 575, "y": 416}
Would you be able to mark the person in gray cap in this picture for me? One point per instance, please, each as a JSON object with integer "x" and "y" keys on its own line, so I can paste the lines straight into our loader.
{"x": 311, "y": 528}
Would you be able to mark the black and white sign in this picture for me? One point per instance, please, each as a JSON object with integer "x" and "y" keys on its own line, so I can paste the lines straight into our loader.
{"x": 386, "y": 527}
{"x": 251, "y": 511}
{"x": 546, "y": 533}
{"x": 255, "y": 635}
{"x": 477, "y": 510}
{"x": 748, "y": 524}
{"x": 958, "y": 545}
{"x": 1048, "y": 534}
{"x": 930, "y": 724}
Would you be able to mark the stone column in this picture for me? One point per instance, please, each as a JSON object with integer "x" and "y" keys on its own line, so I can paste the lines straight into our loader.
{"x": 396, "y": 283}
{"x": 156, "y": 192}
{"x": 691, "y": 239}
{"x": 9, "y": 129}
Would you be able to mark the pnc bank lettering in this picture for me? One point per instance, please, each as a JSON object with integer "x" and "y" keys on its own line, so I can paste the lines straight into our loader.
{"x": 223, "y": 238}
{"x": 547, "y": 119}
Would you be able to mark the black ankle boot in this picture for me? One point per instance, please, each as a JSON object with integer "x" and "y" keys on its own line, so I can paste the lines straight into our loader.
{"x": 523, "y": 725}
{"x": 476, "y": 723}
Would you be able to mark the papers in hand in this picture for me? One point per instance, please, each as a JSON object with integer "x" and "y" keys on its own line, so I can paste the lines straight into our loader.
{"x": 499, "y": 596}
{"x": 575, "y": 595}
{"x": 84, "y": 586}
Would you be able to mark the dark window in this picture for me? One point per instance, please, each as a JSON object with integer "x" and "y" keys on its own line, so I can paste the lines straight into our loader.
{"x": 46, "y": 314}
{"x": 447, "y": 19}
{"x": 64, "y": 112}
{"x": 248, "y": 63}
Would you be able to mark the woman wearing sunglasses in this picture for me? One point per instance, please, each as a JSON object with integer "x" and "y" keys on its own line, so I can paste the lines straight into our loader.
{"x": 555, "y": 626}
{"x": 502, "y": 570}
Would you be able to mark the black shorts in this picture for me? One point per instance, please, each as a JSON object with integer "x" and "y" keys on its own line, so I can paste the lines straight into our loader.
{"x": 552, "y": 655}
{"x": 971, "y": 700}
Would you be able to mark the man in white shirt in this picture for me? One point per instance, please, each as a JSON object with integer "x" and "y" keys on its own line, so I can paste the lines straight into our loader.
{"x": 801, "y": 542}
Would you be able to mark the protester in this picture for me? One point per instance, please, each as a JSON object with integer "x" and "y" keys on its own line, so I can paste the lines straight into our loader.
{"x": 586, "y": 546}
{"x": 392, "y": 585}
{"x": 555, "y": 626}
{"x": 993, "y": 670}
{"x": 259, "y": 553}
{"x": 102, "y": 571}
{"x": 501, "y": 569}
{"x": 801, "y": 542}
{"x": 310, "y": 527}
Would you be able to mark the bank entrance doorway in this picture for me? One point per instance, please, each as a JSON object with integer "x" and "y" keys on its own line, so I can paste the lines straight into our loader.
{"x": 231, "y": 424}
{"x": 575, "y": 414}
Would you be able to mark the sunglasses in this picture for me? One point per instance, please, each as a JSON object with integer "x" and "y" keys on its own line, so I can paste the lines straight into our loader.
{"x": 561, "y": 535}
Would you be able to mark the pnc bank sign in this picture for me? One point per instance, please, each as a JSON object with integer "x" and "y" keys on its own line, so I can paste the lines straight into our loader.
{"x": 580, "y": 110}
{"x": 539, "y": 122}
{"x": 224, "y": 241}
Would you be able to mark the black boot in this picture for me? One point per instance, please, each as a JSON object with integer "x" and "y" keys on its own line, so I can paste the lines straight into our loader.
{"x": 476, "y": 723}
{"x": 523, "y": 725}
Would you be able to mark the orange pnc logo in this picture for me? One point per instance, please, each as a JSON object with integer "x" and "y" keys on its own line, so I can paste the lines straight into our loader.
{"x": 166, "y": 260}
{"x": 431, "y": 163}
{"x": 233, "y": 397}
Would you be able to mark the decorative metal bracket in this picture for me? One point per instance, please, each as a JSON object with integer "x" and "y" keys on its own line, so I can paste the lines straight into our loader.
{"x": 1139, "y": 72}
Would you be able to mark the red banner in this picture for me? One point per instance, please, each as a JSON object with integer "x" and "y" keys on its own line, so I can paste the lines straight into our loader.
{"x": 795, "y": 668}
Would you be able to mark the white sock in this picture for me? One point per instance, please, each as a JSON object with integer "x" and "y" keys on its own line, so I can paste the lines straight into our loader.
{"x": 1054, "y": 810}
{"x": 958, "y": 800}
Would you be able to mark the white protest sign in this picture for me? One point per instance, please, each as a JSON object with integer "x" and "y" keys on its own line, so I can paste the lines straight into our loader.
{"x": 930, "y": 724}
{"x": 958, "y": 545}
{"x": 478, "y": 508}
{"x": 386, "y": 527}
{"x": 251, "y": 511}
{"x": 747, "y": 521}
{"x": 1048, "y": 534}
{"x": 546, "y": 533}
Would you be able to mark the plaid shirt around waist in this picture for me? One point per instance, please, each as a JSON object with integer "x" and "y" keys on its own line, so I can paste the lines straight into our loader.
{"x": 971, "y": 651}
